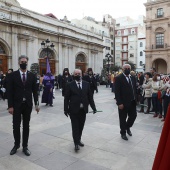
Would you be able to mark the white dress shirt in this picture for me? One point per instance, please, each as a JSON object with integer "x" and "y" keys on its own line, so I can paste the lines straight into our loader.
{"x": 21, "y": 74}
{"x": 79, "y": 82}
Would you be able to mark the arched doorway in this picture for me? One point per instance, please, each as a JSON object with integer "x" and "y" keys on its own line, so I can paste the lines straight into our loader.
{"x": 160, "y": 65}
{"x": 3, "y": 60}
{"x": 42, "y": 61}
{"x": 81, "y": 62}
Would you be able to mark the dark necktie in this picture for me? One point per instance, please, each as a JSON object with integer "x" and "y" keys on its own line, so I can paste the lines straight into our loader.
{"x": 80, "y": 91}
{"x": 131, "y": 86}
{"x": 79, "y": 87}
{"x": 23, "y": 78}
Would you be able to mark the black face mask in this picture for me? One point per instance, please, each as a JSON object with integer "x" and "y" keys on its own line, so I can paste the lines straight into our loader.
{"x": 127, "y": 71}
{"x": 77, "y": 78}
{"x": 66, "y": 73}
{"x": 23, "y": 66}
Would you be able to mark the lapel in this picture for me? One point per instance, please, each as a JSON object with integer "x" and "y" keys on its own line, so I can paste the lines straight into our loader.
{"x": 75, "y": 86}
{"x": 124, "y": 79}
{"x": 28, "y": 78}
{"x": 19, "y": 78}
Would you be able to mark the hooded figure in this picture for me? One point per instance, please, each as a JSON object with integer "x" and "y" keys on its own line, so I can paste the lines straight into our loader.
{"x": 48, "y": 83}
{"x": 66, "y": 78}
{"x": 91, "y": 79}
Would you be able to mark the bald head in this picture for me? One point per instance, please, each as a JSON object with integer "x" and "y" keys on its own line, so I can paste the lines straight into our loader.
{"x": 77, "y": 72}
{"x": 126, "y": 66}
{"x": 126, "y": 69}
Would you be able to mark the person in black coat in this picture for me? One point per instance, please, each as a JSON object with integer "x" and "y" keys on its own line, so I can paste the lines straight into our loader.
{"x": 65, "y": 79}
{"x": 77, "y": 98}
{"x": 125, "y": 94}
{"x": 89, "y": 77}
{"x": 21, "y": 87}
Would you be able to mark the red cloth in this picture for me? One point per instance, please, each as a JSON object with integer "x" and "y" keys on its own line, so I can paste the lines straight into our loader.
{"x": 159, "y": 96}
{"x": 162, "y": 158}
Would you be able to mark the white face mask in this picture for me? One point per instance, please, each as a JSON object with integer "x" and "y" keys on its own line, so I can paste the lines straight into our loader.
{"x": 158, "y": 78}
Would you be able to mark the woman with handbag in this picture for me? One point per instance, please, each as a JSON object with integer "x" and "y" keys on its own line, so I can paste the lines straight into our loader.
{"x": 147, "y": 93}
{"x": 157, "y": 87}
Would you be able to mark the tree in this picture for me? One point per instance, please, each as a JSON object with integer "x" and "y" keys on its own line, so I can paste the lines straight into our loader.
{"x": 133, "y": 66}
{"x": 114, "y": 68}
{"x": 34, "y": 68}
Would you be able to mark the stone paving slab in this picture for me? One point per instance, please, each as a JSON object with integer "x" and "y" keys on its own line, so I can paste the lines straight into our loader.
{"x": 52, "y": 147}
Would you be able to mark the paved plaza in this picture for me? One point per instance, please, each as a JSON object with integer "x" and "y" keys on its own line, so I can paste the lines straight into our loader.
{"x": 52, "y": 146}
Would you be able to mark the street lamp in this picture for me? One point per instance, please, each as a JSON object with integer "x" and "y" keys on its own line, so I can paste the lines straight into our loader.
{"x": 45, "y": 45}
{"x": 108, "y": 58}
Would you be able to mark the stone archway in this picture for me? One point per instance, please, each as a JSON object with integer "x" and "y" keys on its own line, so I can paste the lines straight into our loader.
{"x": 3, "y": 59}
{"x": 42, "y": 61}
{"x": 160, "y": 65}
{"x": 81, "y": 62}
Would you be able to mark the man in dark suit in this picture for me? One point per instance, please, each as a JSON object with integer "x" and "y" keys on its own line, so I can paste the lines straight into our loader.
{"x": 77, "y": 98}
{"x": 21, "y": 86}
{"x": 91, "y": 79}
{"x": 125, "y": 94}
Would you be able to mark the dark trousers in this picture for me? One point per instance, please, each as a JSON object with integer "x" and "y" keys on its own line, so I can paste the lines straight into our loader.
{"x": 157, "y": 104}
{"x": 148, "y": 102}
{"x": 166, "y": 102}
{"x": 77, "y": 122}
{"x": 127, "y": 117}
{"x": 23, "y": 113}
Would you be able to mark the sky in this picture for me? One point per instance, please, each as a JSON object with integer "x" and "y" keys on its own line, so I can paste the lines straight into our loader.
{"x": 77, "y": 9}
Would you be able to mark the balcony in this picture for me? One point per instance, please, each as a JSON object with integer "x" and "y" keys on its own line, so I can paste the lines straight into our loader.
{"x": 158, "y": 47}
{"x": 126, "y": 42}
{"x": 124, "y": 50}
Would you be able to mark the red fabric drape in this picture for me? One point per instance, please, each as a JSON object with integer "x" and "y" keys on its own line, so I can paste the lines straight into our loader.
{"x": 162, "y": 158}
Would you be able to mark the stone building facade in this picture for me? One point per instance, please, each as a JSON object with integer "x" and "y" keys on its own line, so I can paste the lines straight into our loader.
{"x": 158, "y": 35}
{"x": 22, "y": 31}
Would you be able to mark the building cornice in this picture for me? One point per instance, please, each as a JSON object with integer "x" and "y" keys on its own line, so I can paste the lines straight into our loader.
{"x": 155, "y": 2}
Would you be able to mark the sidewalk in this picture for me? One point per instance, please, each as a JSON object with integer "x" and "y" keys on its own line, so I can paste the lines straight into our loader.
{"x": 52, "y": 147}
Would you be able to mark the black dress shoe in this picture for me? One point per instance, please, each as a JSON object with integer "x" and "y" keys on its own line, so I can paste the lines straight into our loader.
{"x": 77, "y": 147}
{"x": 51, "y": 105}
{"x": 124, "y": 137}
{"x": 14, "y": 150}
{"x": 26, "y": 151}
{"x": 129, "y": 132}
{"x": 81, "y": 144}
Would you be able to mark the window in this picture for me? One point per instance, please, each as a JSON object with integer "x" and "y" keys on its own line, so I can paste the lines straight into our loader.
{"x": 117, "y": 47}
{"x": 118, "y": 33}
{"x": 111, "y": 52}
{"x": 141, "y": 44}
{"x": 141, "y": 53}
{"x": 117, "y": 55}
{"x": 107, "y": 41}
{"x": 159, "y": 12}
{"x": 112, "y": 45}
{"x": 107, "y": 48}
{"x": 2, "y": 51}
{"x": 160, "y": 40}
{"x": 141, "y": 63}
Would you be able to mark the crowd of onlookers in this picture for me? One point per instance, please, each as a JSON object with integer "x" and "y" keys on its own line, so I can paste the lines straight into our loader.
{"x": 153, "y": 89}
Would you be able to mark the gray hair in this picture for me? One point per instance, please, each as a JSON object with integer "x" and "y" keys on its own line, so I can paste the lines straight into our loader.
{"x": 22, "y": 56}
{"x": 126, "y": 65}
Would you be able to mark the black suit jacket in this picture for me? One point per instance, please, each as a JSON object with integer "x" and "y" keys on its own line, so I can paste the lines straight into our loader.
{"x": 73, "y": 98}
{"x": 123, "y": 94}
{"x": 92, "y": 81}
{"x": 16, "y": 89}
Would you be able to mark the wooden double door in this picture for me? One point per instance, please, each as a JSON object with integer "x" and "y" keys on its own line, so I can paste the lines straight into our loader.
{"x": 81, "y": 66}
{"x": 3, "y": 63}
{"x": 42, "y": 64}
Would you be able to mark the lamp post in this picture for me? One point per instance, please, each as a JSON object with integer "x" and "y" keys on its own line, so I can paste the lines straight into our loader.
{"x": 45, "y": 45}
{"x": 108, "y": 58}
